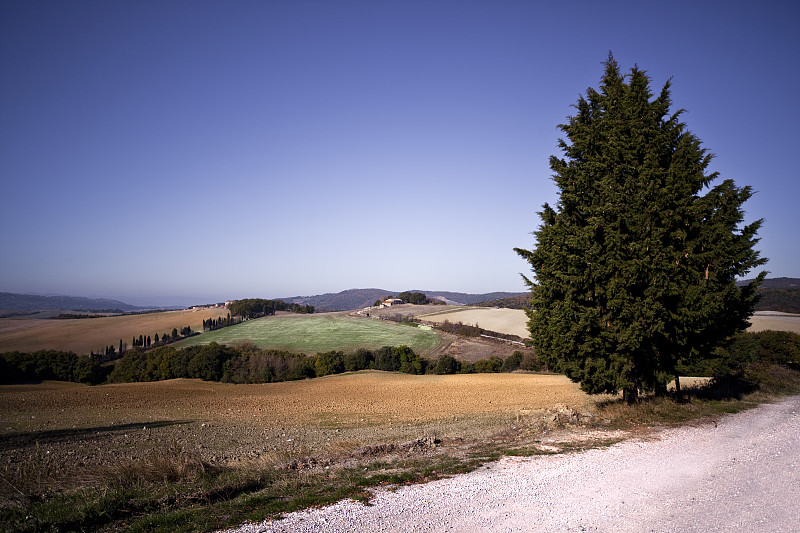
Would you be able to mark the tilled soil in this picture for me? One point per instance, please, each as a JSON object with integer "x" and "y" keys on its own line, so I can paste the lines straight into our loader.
{"x": 735, "y": 474}
{"x": 76, "y": 426}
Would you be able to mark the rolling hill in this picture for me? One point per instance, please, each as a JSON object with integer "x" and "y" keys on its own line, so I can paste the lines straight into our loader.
{"x": 31, "y": 302}
{"x": 360, "y": 298}
{"x": 778, "y": 294}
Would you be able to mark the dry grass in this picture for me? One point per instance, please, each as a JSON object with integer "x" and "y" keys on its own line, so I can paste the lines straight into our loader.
{"x": 511, "y": 321}
{"x": 515, "y": 321}
{"x": 86, "y": 334}
{"x": 764, "y": 320}
{"x": 162, "y": 465}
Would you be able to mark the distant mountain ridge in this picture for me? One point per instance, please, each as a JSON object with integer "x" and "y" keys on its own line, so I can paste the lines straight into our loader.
{"x": 32, "y": 302}
{"x": 777, "y": 294}
{"x": 360, "y": 298}
{"x": 776, "y": 283}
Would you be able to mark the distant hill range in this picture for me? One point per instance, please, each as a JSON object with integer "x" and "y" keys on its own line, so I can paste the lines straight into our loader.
{"x": 779, "y": 294}
{"x": 514, "y": 302}
{"x": 31, "y": 302}
{"x": 360, "y": 298}
{"x": 776, "y": 283}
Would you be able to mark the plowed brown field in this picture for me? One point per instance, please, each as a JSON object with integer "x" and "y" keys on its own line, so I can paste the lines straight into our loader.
{"x": 85, "y": 425}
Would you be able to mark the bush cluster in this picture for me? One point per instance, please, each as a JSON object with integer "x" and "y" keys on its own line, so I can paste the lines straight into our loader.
{"x": 257, "y": 307}
{"x": 17, "y": 367}
{"x": 745, "y": 349}
{"x": 447, "y": 364}
{"x": 221, "y": 322}
{"x": 249, "y": 364}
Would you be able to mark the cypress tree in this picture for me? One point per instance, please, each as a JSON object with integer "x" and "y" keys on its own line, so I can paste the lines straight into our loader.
{"x": 635, "y": 268}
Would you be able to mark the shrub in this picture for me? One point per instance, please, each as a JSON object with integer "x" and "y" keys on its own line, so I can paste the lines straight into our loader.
{"x": 301, "y": 368}
{"x": 387, "y": 359}
{"x": 208, "y": 362}
{"x": 130, "y": 368}
{"x": 410, "y": 363}
{"x": 17, "y": 367}
{"x": 513, "y": 361}
{"x": 361, "y": 359}
{"x": 447, "y": 364}
{"x": 489, "y": 366}
{"x": 531, "y": 363}
{"x": 329, "y": 363}
{"x": 779, "y": 347}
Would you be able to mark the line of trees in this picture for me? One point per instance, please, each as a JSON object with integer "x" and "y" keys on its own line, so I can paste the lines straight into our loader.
{"x": 258, "y": 307}
{"x": 146, "y": 341}
{"x": 248, "y": 364}
{"x": 18, "y": 367}
{"x": 447, "y": 364}
{"x": 751, "y": 359}
{"x": 221, "y": 322}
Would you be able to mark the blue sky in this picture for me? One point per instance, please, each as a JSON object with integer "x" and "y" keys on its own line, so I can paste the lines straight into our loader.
{"x": 170, "y": 152}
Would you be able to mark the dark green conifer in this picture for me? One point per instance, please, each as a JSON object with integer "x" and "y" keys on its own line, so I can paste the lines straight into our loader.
{"x": 635, "y": 268}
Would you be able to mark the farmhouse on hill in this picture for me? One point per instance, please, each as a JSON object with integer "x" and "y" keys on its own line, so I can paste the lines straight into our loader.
{"x": 392, "y": 301}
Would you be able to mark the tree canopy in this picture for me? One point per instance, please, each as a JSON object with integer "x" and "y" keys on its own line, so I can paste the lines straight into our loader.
{"x": 417, "y": 298}
{"x": 257, "y": 307}
{"x": 635, "y": 267}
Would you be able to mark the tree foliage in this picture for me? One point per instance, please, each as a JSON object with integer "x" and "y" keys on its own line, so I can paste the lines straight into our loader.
{"x": 18, "y": 367}
{"x": 635, "y": 268}
{"x": 257, "y": 307}
{"x": 416, "y": 298}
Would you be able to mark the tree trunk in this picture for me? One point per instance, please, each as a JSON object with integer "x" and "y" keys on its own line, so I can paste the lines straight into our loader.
{"x": 631, "y": 394}
{"x": 678, "y": 391}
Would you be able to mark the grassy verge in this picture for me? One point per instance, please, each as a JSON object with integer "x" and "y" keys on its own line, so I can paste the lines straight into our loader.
{"x": 175, "y": 489}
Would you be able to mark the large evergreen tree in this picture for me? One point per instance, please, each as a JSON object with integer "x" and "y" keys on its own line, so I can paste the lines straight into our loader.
{"x": 635, "y": 268}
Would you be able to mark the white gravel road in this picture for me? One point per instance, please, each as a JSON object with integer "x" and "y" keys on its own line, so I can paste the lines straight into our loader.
{"x": 740, "y": 474}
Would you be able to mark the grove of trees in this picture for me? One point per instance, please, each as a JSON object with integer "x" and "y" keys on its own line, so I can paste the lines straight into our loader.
{"x": 634, "y": 269}
{"x": 416, "y": 298}
{"x": 257, "y": 307}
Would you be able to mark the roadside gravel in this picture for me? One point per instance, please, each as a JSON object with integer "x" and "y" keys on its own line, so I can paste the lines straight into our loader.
{"x": 737, "y": 474}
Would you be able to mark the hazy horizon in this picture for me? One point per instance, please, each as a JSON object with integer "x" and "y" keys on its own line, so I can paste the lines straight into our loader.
{"x": 185, "y": 301}
{"x": 205, "y": 150}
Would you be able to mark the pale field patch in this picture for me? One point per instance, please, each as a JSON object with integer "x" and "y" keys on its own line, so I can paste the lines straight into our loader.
{"x": 515, "y": 321}
{"x": 511, "y": 321}
{"x": 82, "y": 335}
{"x": 763, "y": 320}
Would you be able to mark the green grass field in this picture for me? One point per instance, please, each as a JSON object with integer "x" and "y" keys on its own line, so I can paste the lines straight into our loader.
{"x": 312, "y": 334}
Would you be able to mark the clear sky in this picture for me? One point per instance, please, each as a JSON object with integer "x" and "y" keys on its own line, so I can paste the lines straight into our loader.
{"x": 175, "y": 151}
